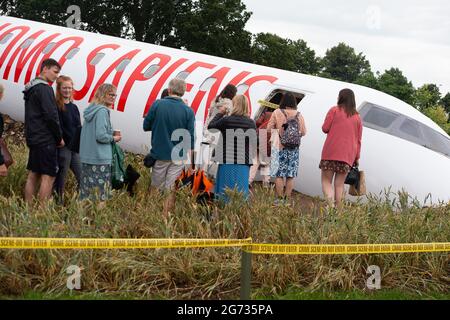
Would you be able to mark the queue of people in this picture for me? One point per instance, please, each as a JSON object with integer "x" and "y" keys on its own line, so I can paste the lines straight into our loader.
{"x": 57, "y": 142}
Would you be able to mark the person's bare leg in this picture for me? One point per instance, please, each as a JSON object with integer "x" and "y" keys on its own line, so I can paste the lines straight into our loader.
{"x": 339, "y": 181}
{"x": 279, "y": 186}
{"x": 253, "y": 170}
{"x": 289, "y": 186}
{"x": 327, "y": 187}
{"x": 169, "y": 204}
{"x": 46, "y": 188}
{"x": 266, "y": 181}
{"x": 30, "y": 186}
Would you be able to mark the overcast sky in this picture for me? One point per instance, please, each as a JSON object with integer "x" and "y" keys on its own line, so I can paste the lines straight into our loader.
{"x": 413, "y": 35}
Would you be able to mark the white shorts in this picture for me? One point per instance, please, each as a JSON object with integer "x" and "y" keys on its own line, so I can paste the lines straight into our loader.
{"x": 165, "y": 174}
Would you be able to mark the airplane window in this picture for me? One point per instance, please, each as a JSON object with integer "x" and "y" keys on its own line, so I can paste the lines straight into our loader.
{"x": 72, "y": 53}
{"x": 6, "y": 38}
{"x": 242, "y": 88}
{"x": 150, "y": 72}
{"x": 27, "y": 43}
{"x": 48, "y": 47}
{"x": 207, "y": 84}
{"x": 123, "y": 64}
{"x": 411, "y": 127}
{"x": 436, "y": 141}
{"x": 182, "y": 75}
{"x": 98, "y": 57}
{"x": 379, "y": 117}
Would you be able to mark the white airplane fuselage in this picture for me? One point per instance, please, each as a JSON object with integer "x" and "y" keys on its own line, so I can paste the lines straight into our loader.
{"x": 141, "y": 71}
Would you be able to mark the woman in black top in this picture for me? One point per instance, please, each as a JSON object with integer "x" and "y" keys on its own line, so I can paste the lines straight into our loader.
{"x": 236, "y": 147}
{"x": 69, "y": 119}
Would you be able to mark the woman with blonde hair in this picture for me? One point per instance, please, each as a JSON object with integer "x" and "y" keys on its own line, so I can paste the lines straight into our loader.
{"x": 69, "y": 120}
{"x": 96, "y": 145}
{"x": 234, "y": 152}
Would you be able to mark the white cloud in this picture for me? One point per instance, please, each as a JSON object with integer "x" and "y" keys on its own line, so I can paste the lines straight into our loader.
{"x": 411, "y": 35}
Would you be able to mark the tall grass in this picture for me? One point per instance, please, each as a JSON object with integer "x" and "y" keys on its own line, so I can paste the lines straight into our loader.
{"x": 215, "y": 273}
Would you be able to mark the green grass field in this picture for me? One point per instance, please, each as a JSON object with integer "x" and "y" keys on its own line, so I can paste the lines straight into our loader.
{"x": 215, "y": 273}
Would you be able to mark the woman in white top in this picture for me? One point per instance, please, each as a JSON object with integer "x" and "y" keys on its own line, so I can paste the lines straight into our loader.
{"x": 210, "y": 138}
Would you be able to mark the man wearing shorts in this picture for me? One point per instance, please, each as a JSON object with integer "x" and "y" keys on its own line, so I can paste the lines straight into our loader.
{"x": 164, "y": 118}
{"x": 42, "y": 132}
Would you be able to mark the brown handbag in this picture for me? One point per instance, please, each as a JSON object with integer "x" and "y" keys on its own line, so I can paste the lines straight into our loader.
{"x": 5, "y": 153}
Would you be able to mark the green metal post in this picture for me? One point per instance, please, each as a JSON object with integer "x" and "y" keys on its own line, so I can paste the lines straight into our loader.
{"x": 246, "y": 274}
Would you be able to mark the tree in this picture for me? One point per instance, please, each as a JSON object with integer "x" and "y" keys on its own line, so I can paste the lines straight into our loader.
{"x": 47, "y": 11}
{"x": 273, "y": 51}
{"x": 97, "y": 16}
{"x": 427, "y": 96}
{"x": 342, "y": 63}
{"x": 305, "y": 59}
{"x": 368, "y": 79}
{"x": 445, "y": 102}
{"x": 393, "y": 82}
{"x": 216, "y": 27}
{"x": 213, "y": 27}
{"x": 156, "y": 21}
{"x": 438, "y": 115}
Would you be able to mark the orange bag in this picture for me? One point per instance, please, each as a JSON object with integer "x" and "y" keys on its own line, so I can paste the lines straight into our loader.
{"x": 201, "y": 187}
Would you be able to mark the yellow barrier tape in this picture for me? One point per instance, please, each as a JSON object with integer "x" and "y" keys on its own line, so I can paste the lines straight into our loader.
{"x": 248, "y": 246}
{"x": 332, "y": 249}
{"x": 268, "y": 104}
{"x": 63, "y": 243}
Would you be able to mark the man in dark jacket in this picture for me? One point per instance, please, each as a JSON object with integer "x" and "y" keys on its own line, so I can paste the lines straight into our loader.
{"x": 42, "y": 132}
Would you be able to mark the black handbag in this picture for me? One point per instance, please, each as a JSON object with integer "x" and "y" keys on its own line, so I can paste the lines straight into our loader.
{"x": 353, "y": 177}
{"x": 149, "y": 161}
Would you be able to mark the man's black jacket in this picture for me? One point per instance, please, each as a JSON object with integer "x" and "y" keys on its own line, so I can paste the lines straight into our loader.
{"x": 41, "y": 114}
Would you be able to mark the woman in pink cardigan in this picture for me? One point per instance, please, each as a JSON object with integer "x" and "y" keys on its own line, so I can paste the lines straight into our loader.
{"x": 342, "y": 147}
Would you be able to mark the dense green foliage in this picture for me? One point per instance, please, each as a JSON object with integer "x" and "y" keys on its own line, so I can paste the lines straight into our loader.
{"x": 342, "y": 63}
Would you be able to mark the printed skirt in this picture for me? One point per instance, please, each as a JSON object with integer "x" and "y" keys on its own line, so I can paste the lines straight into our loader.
{"x": 95, "y": 182}
{"x": 232, "y": 176}
{"x": 335, "y": 166}
{"x": 284, "y": 163}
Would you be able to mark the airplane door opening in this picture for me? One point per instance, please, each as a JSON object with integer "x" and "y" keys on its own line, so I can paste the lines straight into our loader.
{"x": 272, "y": 102}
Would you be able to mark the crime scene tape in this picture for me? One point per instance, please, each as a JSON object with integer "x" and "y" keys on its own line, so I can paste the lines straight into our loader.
{"x": 246, "y": 244}
{"x": 333, "y": 249}
{"x": 63, "y": 243}
{"x": 268, "y": 104}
